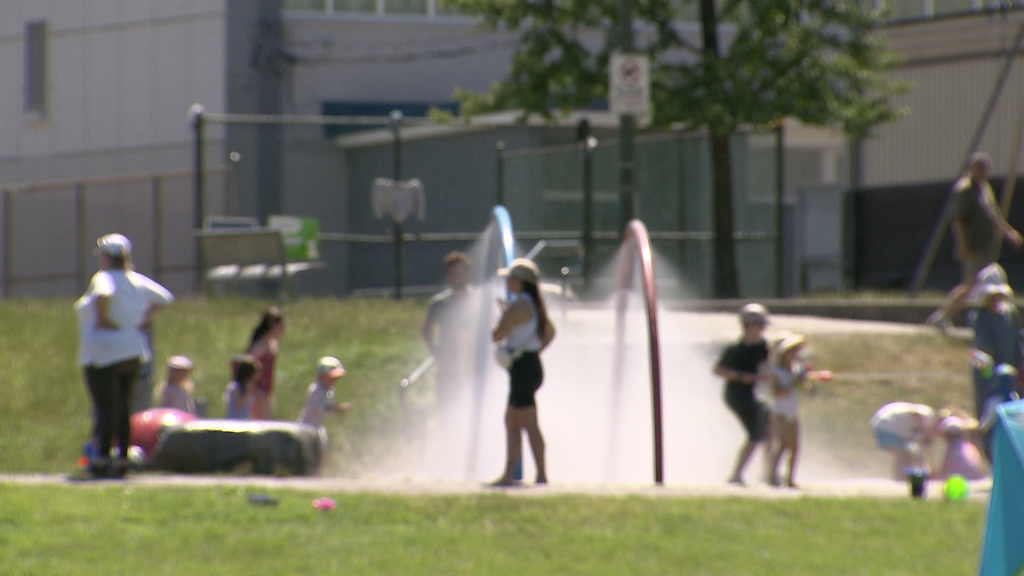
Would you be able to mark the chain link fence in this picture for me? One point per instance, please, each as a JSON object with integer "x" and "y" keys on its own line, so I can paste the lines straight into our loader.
{"x": 543, "y": 188}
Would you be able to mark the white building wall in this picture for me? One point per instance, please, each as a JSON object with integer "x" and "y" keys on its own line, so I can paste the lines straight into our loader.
{"x": 121, "y": 75}
{"x": 351, "y": 58}
{"x": 953, "y": 66}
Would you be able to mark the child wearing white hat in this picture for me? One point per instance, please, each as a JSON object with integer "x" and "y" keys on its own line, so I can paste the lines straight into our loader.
{"x": 320, "y": 394}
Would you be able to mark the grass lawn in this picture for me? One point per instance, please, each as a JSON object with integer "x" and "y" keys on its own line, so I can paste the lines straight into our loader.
{"x": 104, "y": 529}
{"x": 46, "y": 416}
{"x": 123, "y": 530}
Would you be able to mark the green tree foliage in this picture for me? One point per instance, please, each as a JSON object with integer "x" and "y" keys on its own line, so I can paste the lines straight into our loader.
{"x": 760, "y": 61}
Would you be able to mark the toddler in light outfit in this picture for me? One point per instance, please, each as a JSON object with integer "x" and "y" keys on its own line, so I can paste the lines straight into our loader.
{"x": 320, "y": 394}
{"x": 962, "y": 456}
{"x": 240, "y": 394}
{"x": 789, "y": 375}
{"x": 177, "y": 390}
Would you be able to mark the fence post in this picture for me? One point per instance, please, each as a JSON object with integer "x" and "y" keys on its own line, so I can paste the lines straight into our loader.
{"x": 588, "y": 199}
{"x": 83, "y": 242}
{"x": 395, "y": 123}
{"x": 7, "y": 242}
{"x": 196, "y": 116}
{"x": 500, "y": 147}
{"x": 780, "y": 182}
{"x": 681, "y": 194}
{"x": 158, "y": 230}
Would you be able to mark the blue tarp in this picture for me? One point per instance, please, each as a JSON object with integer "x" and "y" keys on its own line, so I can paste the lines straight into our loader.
{"x": 1002, "y": 553}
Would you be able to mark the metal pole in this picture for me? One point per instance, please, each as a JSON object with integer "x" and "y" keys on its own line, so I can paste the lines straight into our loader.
{"x": 588, "y": 200}
{"x": 780, "y": 181}
{"x": 500, "y": 147}
{"x": 8, "y": 238}
{"x": 627, "y": 126}
{"x": 395, "y": 119}
{"x": 196, "y": 117}
{"x": 83, "y": 242}
{"x": 158, "y": 230}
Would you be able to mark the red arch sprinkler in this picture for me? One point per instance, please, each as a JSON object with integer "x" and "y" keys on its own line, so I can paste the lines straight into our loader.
{"x": 636, "y": 248}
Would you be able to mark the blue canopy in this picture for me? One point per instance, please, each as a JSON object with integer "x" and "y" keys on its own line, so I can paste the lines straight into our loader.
{"x": 1002, "y": 553}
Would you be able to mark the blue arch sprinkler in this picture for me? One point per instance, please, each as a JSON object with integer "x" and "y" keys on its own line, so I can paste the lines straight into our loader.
{"x": 506, "y": 238}
{"x": 506, "y": 254}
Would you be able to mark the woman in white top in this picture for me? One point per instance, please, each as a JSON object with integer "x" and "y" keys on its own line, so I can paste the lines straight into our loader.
{"x": 526, "y": 330}
{"x": 113, "y": 347}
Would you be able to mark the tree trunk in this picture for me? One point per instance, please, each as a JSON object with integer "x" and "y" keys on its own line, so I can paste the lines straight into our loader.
{"x": 726, "y": 284}
{"x": 725, "y": 281}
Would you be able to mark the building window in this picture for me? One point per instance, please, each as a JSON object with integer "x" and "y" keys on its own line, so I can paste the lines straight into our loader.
{"x": 35, "y": 67}
{"x": 428, "y": 8}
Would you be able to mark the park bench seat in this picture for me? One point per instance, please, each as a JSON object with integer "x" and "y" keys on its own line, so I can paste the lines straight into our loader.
{"x": 229, "y": 256}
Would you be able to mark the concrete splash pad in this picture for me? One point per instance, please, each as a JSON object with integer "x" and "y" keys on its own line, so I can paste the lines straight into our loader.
{"x": 851, "y": 488}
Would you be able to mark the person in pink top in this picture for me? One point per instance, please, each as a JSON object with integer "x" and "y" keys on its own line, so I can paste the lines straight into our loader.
{"x": 263, "y": 346}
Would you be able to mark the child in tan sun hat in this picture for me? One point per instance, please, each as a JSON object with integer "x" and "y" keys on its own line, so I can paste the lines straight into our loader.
{"x": 320, "y": 394}
{"x": 790, "y": 375}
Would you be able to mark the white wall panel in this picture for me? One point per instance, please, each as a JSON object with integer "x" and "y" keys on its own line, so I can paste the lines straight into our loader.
{"x": 11, "y": 101}
{"x": 135, "y": 79}
{"x": 67, "y": 16}
{"x": 947, "y": 105}
{"x": 100, "y": 12}
{"x": 954, "y": 65}
{"x": 10, "y": 22}
{"x": 173, "y": 83}
{"x": 67, "y": 111}
{"x": 99, "y": 92}
{"x": 135, "y": 10}
{"x": 209, "y": 66}
{"x": 33, "y": 10}
{"x": 351, "y": 60}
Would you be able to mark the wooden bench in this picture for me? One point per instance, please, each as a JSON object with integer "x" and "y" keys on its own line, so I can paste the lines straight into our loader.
{"x": 231, "y": 256}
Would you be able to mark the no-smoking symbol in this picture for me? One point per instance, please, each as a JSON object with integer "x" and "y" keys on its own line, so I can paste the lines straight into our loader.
{"x": 631, "y": 72}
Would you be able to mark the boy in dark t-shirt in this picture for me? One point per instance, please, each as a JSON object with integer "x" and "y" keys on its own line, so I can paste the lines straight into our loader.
{"x": 740, "y": 364}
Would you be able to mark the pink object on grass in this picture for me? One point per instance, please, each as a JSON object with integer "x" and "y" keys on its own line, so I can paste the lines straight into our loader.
{"x": 325, "y": 504}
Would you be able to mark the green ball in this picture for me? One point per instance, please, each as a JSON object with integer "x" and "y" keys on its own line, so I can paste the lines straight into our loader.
{"x": 957, "y": 489}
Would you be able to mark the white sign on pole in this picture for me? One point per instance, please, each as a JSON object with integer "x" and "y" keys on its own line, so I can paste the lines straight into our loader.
{"x": 629, "y": 84}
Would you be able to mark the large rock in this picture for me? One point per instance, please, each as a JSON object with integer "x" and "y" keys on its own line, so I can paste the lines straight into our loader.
{"x": 239, "y": 446}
